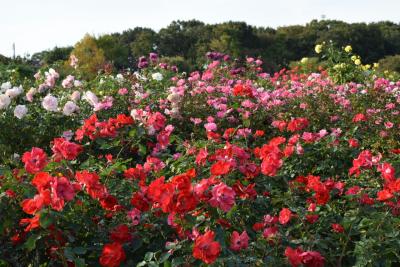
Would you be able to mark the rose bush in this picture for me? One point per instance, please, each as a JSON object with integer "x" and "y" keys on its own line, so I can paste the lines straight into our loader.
{"x": 227, "y": 166}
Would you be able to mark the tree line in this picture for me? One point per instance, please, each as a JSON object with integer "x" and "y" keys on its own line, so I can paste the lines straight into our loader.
{"x": 184, "y": 43}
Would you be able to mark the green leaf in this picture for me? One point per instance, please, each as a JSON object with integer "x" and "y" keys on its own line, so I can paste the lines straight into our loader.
{"x": 69, "y": 254}
{"x": 79, "y": 262}
{"x": 148, "y": 256}
{"x": 30, "y": 244}
{"x": 142, "y": 150}
{"x": 177, "y": 262}
{"x": 132, "y": 133}
{"x": 45, "y": 220}
{"x": 79, "y": 250}
{"x": 164, "y": 257}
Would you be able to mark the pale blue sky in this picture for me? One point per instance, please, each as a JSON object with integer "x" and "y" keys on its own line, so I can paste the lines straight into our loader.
{"x": 35, "y": 25}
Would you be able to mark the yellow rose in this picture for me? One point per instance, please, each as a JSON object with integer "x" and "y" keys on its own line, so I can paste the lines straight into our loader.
{"x": 376, "y": 65}
{"x": 304, "y": 60}
{"x": 353, "y": 58}
{"x": 357, "y": 61}
{"x": 368, "y": 66}
{"x": 348, "y": 48}
{"x": 318, "y": 48}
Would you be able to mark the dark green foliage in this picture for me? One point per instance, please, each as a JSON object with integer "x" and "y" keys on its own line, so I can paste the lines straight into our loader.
{"x": 191, "y": 39}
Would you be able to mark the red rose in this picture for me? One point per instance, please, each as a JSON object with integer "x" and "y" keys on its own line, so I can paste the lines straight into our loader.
{"x": 297, "y": 124}
{"x": 205, "y": 248}
{"x": 64, "y": 149}
{"x": 113, "y": 254}
{"x": 384, "y": 195}
{"x": 293, "y": 256}
{"x": 34, "y": 160}
{"x": 312, "y": 259}
{"x": 239, "y": 241}
{"x": 220, "y": 168}
{"x": 121, "y": 234}
{"x": 337, "y": 228}
{"x": 284, "y": 216}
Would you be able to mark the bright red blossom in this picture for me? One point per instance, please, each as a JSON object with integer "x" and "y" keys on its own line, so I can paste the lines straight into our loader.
{"x": 112, "y": 255}
{"x": 284, "y": 216}
{"x": 205, "y": 248}
{"x": 35, "y": 160}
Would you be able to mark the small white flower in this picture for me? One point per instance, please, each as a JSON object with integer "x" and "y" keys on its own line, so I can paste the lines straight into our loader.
{"x": 77, "y": 83}
{"x": 157, "y": 76}
{"x": 20, "y": 111}
{"x": 4, "y": 101}
{"x": 119, "y": 78}
{"x": 50, "y": 103}
{"x": 69, "y": 108}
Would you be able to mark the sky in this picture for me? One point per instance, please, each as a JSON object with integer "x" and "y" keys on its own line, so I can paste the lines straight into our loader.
{"x": 36, "y": 25}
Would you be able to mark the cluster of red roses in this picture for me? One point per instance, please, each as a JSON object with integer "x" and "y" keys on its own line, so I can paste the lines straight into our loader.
{"x": 298, "y": 257}
{"x": 52, "y": 191}
{"x": 93, "y": 128}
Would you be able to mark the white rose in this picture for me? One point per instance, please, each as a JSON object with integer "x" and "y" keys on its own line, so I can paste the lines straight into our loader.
{"x": 69, "y": 108}
{"x": 50, "y": 103}
{"x": 77, "y": 83}
{"x": 20, "y": 111}
{"x": 91, "y": 98}
{"x": 15, "y": 91}
{"x": 119, "y": 78}
{"x": 157, "y": 76}
{"x": 5, "y": 86}
{"x": 4, "y": 101}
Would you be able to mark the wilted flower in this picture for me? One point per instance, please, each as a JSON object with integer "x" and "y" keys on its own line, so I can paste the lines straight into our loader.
{"x": 153, "y": 57}
{"x": 134, "y": 215}
{"x": 5, "y": 101}
{"x": 143, "y": 63}
{"x": 75, "y": 96}
{"x": 29, "y": 95}
{"x": 73, "y": 61}
{"x": 68, "y": 82}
